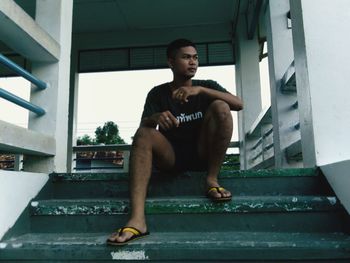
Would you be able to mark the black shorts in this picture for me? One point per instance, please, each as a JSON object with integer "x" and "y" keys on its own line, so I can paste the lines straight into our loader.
{"x": 187, "y": 157}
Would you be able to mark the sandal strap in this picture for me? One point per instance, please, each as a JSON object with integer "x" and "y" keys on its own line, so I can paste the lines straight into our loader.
{"x": 217, "y": 189}
{"x": 130, "y": 229}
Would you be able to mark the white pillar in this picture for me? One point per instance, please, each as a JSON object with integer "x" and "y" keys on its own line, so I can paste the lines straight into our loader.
{"x": 321, "y": 47}
{"x": 73, "y": 110}
{"x": 247, "y": 83}
{"x": 281, "y": 55}
{"x": 56, "y": 18}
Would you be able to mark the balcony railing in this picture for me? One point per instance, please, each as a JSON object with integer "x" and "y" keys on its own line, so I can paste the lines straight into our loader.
{"x": 25, "y": 74}
{"x": 122, "y": 167}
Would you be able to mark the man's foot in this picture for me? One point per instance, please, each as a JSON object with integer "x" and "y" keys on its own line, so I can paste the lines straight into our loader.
{"x": 219, "y": 194}
{"x": 134, "y": 234}
{"x": 124, "y": 235}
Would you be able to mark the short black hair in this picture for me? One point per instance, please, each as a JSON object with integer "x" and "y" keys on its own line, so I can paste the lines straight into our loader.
{"x": 175, "y": 45}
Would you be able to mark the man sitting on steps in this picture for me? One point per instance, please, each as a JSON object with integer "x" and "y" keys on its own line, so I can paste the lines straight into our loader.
{"x": 186, "y": 125}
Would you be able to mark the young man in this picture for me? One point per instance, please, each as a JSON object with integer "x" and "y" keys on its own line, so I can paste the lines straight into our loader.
{"x": 186, "y": 126}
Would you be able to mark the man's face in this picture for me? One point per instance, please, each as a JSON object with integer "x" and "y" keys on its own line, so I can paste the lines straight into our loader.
{"x": 185, "y": 62}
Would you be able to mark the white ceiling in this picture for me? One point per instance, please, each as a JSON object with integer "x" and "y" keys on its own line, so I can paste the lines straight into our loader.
{"x": 102, "y": 25}
{"x": 120, "y": 15}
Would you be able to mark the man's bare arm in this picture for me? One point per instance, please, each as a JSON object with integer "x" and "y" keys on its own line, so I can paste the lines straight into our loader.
{"x": 183, "y": 93}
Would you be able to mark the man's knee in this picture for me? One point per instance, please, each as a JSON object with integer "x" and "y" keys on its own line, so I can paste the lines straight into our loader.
{"x": 143, "y": 134}
{"x": 220, "y": 110}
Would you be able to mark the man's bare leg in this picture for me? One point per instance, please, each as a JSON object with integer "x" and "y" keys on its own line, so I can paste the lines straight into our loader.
{"x": 148, "y": 144}
{"x": 214, "y": 141}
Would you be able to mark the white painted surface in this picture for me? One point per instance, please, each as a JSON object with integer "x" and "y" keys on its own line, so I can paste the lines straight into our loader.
{"x": 16, "y": 191}
{"x": 281, "y": 55}
{"x": 34, "y": 42}
{"x": 129, "y": 255}
{"x": 338, "y": 176}
{"x": 17, "y": 139}
{"x": 56, "y": 18}
{"x": 247, "y": 84}
{"x": 322, "y": 72}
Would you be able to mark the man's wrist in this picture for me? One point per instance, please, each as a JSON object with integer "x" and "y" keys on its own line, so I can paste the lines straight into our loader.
{"x": 149, "y": 122}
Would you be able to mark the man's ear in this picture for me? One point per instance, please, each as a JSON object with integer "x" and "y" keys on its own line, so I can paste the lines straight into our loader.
{"x": 170, "y": 62}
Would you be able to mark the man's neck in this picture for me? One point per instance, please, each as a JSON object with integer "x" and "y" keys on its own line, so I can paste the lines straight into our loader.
{"x": 177, "y": 83}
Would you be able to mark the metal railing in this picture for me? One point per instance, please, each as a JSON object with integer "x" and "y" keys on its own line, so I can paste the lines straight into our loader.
{"x": 25, "y": 74}
{"x": 125, "y": 148}
{"x": 259, "y": 140}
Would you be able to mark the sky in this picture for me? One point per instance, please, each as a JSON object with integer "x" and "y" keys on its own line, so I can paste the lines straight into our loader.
{"x": 120, "y": 96}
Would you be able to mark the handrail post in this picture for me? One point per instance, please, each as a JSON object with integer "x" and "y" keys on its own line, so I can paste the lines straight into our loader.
{"x": 126, "y": 157}
{"x": 18, "y": 166}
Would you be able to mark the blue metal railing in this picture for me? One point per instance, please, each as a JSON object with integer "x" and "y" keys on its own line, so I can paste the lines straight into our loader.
{"x": 25, "y": 74}
{"x": 22, "y": 72}
{"x": 21, "y": 102}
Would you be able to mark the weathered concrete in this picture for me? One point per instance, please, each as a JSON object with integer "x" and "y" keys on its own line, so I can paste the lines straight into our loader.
{"x": 15, "y": 139}
{"x": 182, "y": 247}
{"x": 20, "y": 32}
{"x": 241, "y": 204}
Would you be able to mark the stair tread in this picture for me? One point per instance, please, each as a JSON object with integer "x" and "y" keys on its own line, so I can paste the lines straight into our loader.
{"x": 161, "y": 245}
{"x": 294, "y": 172}
{"x": 242, "y": 239}
{"x": 186, "y": 205}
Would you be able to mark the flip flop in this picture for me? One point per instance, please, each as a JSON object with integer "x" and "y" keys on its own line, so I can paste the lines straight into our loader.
{"x": 136, "y": 235}
{"x": 218, "y": 199}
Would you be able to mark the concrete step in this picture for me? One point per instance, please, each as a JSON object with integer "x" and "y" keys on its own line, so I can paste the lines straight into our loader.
{"x": 258, "y": 182}
{"x": 243, "y": 213}
{"x": 180, "y": 247}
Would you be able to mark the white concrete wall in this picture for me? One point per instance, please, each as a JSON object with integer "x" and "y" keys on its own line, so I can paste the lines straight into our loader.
{"x": 338, "y": 176}
{"x": 321, "y": 47}
{"x": 16, "y": 191}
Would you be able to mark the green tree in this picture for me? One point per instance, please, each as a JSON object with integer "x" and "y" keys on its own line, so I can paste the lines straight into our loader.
{"x": 108, "y": 134}
{"x": 85, "y": 140}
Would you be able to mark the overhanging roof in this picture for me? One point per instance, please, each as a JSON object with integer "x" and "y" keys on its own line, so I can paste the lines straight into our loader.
{"x": 133, "y": 33}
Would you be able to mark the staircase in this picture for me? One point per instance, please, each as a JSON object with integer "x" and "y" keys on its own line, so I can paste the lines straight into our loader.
{"x": 275, "y": 216}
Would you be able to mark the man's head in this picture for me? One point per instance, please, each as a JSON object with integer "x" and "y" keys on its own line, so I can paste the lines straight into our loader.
{"x": 182, "y": 58}
{"x": 176, "y": 45}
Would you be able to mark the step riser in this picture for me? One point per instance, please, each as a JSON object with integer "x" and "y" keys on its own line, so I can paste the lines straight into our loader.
{"x": 181, "y": 247}
{"x": 193, "y": 187}
{"x": 47, "y": 260}
{"x": 281, "y": 222}
{"x": 182, "y": 255}
{"x": 275, "y": 216}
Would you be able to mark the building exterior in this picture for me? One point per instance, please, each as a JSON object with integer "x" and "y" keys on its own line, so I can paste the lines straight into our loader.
{"x": 305, "y": 127}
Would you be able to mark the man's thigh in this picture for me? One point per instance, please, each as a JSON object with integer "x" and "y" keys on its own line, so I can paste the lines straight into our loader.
{"x": 163, "y": 152}
{"x": 187, "y": 157}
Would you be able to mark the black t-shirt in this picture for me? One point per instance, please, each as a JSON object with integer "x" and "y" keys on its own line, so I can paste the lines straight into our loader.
{"x": 190, "y": 114}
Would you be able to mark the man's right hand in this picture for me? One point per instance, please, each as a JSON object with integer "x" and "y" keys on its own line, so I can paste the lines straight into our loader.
{"x": 166, "y": 120}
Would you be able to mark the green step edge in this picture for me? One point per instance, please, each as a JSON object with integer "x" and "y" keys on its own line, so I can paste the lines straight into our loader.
{"x": 165, "y": 247}
{"x": 293, "y": 172}
{"x": 182, "y": 206}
